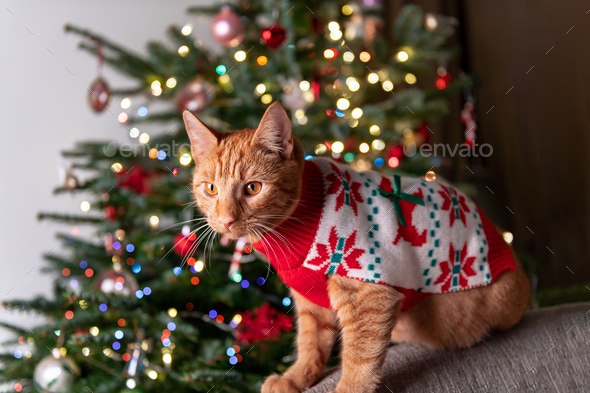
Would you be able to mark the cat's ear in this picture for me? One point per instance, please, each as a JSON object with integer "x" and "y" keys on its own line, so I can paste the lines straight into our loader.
{"x": 274, "y": 131}
{"x": 203, "y": 138}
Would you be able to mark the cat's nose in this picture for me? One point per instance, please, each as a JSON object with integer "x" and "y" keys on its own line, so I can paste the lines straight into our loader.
{"x": 226, "y": 221}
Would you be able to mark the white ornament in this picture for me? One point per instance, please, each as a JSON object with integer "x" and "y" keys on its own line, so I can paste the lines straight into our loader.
{"x": 55, "y": 375}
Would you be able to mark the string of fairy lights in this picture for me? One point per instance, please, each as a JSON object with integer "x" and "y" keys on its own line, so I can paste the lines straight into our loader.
{"x": 337, "y": 148}
{"x": 342, "y": 104}
{"x": 120, "y": 281}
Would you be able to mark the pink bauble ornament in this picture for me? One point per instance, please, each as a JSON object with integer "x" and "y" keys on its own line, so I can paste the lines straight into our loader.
{"x": 227, "y": 28}
{"x": 195, "y": 96}
{"x": 99, "y": 95}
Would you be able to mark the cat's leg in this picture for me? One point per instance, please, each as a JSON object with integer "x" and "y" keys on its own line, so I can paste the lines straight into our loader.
{"x": 463, "y": 318}
{"x": 317, "y": 329}
{"x": 367, "y": 314}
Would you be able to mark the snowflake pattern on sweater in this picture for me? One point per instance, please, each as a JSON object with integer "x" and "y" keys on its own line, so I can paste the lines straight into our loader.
{"x": 443, "y": 248}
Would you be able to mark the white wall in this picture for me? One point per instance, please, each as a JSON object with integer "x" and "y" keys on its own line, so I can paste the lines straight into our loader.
{"x": 44, "y": 109}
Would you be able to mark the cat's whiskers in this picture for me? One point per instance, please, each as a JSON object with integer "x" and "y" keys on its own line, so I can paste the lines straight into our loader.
{"x": 276, "y": 240}
{"x": 278, "y": 237}
{"x": 215, "y": 239}
{"x": 210, "y": 234}
{"x": 194, "y": 246}
{"x": 297, "y": 201}
{"x": 189, "y": 205}
{"x": 176, "y": 244}
{"x": 210, "y": 237}
{"x": 274, "y": 229}
{"x": 270, "y": 233}
{"x": 298, "y": 219}
{"x": 284, "y": 217}
{"x": 262, "y": 241}
{"x": 182, "y": 223}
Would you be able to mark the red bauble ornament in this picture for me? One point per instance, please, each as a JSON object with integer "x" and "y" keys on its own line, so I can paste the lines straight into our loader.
{"x": 315, "y": 86}
{"x": 423, "y": 132}
{"x": 195, "y": 96}
{"x": 99, "y": 95}
{"x": 183, "y": 245}
{"x": 443, "y": 81}
{"x": 227, "y": 27}
{"x": 136, "y": 179}
{"x": 350, "y": 144}
{"x": 396, "y": 151}
{"x": 274, "y": 36}
{"x": 109, "y": 213}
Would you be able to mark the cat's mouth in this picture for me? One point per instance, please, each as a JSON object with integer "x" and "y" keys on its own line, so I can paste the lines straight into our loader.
{"x": 234, "y": 233}
{"x": 252, "y": 230}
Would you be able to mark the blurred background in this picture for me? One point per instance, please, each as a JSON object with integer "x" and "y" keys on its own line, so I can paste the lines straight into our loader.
{"x": 520, "y": 74}
{"x": 50, "y": 103}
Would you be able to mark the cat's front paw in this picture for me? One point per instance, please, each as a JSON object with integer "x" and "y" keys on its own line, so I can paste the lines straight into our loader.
{"x": 277, "y": 384}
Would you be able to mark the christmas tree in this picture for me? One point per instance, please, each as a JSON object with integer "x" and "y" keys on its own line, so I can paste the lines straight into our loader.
{"x": 155, "y": 301}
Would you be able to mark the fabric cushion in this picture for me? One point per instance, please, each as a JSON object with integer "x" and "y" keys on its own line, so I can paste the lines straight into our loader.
{"x": 548, "y": 351}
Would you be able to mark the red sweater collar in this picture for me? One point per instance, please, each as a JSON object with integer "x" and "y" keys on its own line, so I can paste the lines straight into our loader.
{"x": 288, "y": 247}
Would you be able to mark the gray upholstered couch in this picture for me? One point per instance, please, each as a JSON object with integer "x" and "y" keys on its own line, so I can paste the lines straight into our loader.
{"x": 548, "y": 351}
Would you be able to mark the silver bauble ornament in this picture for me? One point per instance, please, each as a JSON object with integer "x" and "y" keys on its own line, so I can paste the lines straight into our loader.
{"x": 71, "y": 181}
{"x": 195, "y": 96}
{"x": 53, "y": 375}
{"x": 118, "y": 282}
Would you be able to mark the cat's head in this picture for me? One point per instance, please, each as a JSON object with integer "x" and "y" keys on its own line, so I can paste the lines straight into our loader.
{"x": 246, "y": 181}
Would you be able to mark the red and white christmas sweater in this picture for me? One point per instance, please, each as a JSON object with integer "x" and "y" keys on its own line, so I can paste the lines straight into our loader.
{"x": 345, "y": 225}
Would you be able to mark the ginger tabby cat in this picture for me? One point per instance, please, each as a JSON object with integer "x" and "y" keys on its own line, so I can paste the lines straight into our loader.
{"x": 250, "y": 183}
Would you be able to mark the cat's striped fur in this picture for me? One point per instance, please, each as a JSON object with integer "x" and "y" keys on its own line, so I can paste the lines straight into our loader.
{"x": 365, "y": 316}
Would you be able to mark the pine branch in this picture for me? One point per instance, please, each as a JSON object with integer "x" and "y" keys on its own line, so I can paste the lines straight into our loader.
{"x": 128, "y": 92}
{"x": 156, "y": 117}
{"x": 70, "y": 218}
{"x": 95, "y": 363}
{"x": 135, "y": 61}
{"x": 15, "y": 329}
{"x": 204, "y": 10}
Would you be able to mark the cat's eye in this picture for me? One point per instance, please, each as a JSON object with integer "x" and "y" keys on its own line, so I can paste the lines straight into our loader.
{"x": 210, "y": 189}
{"x": 253, "y": 188}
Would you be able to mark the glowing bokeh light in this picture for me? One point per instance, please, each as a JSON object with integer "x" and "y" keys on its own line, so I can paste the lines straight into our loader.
{"x": 338, "y": 147}
{"x": 342, "y": 103}
{"x": 183, "y": 50}
{"x": 402, "y": 56}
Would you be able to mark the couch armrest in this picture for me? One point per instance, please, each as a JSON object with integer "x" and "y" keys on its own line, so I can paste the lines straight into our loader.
{"x": 549, "y": 350}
